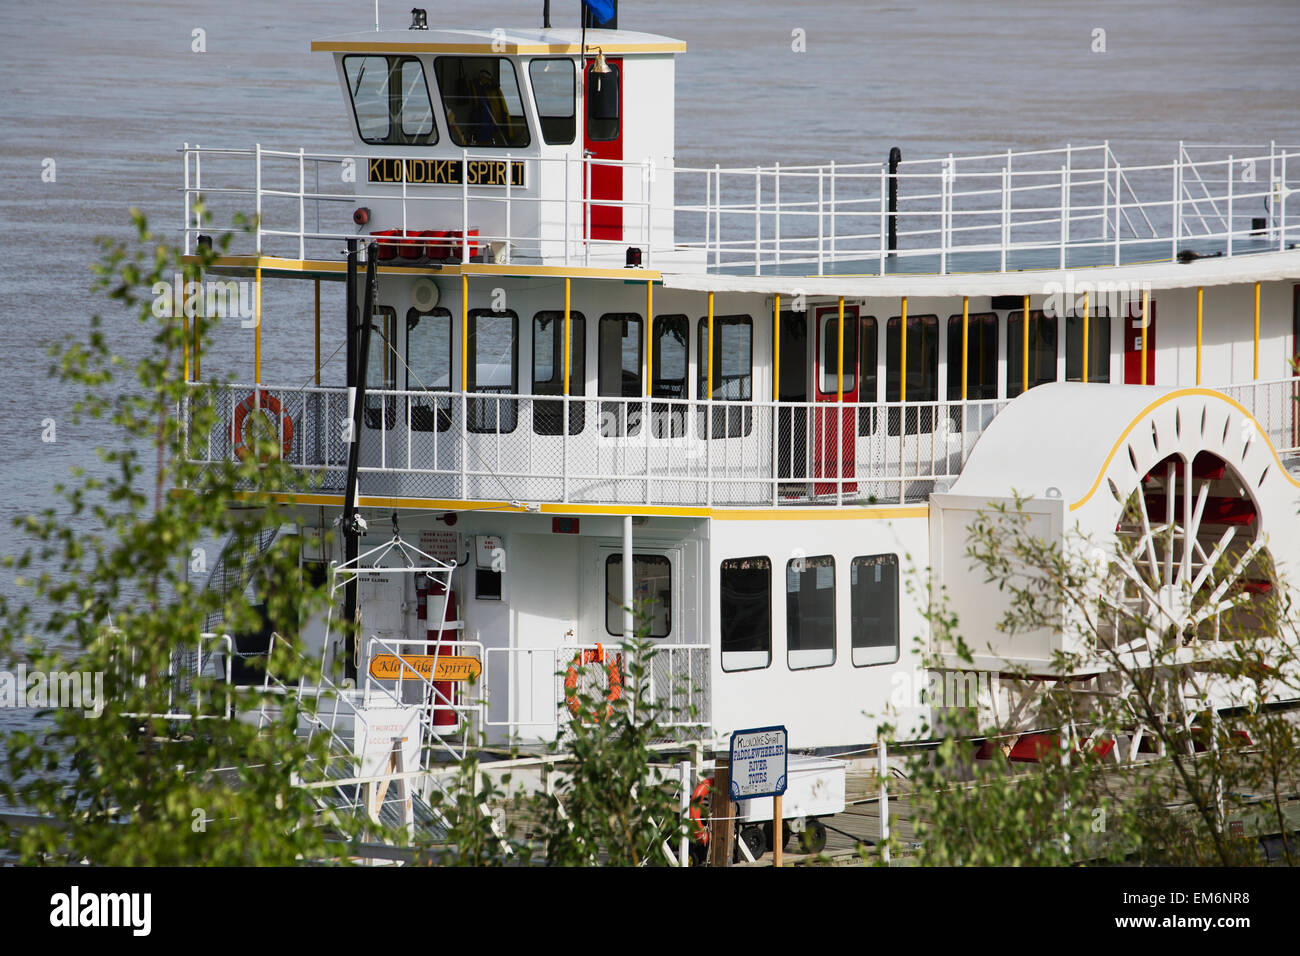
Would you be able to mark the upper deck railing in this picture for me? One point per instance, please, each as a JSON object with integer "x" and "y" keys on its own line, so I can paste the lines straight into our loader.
{"x": 644, "y": 451}
{"x": 1050, "y": 208}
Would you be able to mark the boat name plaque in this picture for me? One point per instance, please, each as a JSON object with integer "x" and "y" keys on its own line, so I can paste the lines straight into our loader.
{"x": 446, "y": 172}
{"x": 443, "y": 667}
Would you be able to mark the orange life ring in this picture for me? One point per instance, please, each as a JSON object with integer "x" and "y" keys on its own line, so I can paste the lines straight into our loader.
{"x": 270, "y": 406}
{"x": 614, "y": 666}
{"x": 698, "y": 797}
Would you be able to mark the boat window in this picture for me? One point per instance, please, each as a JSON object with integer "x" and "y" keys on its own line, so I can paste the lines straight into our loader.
{"x": 548, "y": 371}
{"x": 1042, "y": 351}
{"x": 602, "y": 104}
{"x": 555, "y": 89}
{"x": 981, "y": 357}
{"x": 810, "y": 612}
{"x": 493, "y": 370}
{"x": 619, "y": 372}
{"x": 1098, "y": 347}
{"x": 480, "y": 95}
{"x": 868, "y": 359}
{"x": 669, "y": 370}
{"x": 794, "y": 357}
{"x": 652, "y": 587}
{"x": 381, "y": 368}
{"x": 873, "y": 609}
{"x": 428, "y": 367}
{"x": 733, "y": 373}
{"x": 922, "y": 372}
{"x": 390, "y": 100}
{"x": 830, "y": 358}
{"x": 746, "y": 613}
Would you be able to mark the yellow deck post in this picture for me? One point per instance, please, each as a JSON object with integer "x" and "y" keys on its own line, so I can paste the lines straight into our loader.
{"x": 965, "y": 341}
{"x": 185, "y": 340}
{"x": 257, "y": 328}
{"x": 649, "y": 327}
{"x": 839, "y": 371}
{"x": 776, "y": 347}
{"x": 1024, "y": 346}
{"x": 902, "y": 352}
{"x": 1146, "y": 321}
{"x": 567, "y": 332}
{"x": 318, "y": 331}
{"x": 709, "y": 358}
{"x": 1200, "y": 301}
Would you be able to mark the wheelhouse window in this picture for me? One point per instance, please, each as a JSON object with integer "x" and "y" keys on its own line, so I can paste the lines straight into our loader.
{"x": 745, "y": 607}
{"x": 390, "y": 100}
{"x": 873, "y": 603}
{"x": 652, "y": 595}
{"x": 1042, "y": 351}
{"x": 669, "y": 370}
{"x": 922, "y": 372}
{"x": 810, "y": 612}
{"x": 428, "y": 367}
{"x": 555, "y": 93}
{"x": 619, "y": 372}
{"x": 381, "y": 368}
{"x": 548, "y": 371}
{"x": 733, "y": 373}
{"x": 493, "y": 370}
{"x": 480, "y": 96}
{"x": 1098, "y": 347}
{"x": 603, "y": 104}
{"x": 981, "y": 356}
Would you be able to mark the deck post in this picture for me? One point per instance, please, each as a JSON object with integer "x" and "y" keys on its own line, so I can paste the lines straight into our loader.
{"x": 1024, "y": 346}
{"x": 1200, "y": 309}
{"x": 1085, "y": 337}
{"x": 628, "y": 624}
{"x": 1146, "y": 322}
{"x": 720, "y": 823}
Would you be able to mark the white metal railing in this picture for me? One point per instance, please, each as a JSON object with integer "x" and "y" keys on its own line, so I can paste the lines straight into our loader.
{"x": 210, "y": 658}
{"x": 633, "y": 450}
{"x": 1047, "y": 208}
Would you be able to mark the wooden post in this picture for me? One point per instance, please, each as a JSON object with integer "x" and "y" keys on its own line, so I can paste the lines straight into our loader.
{"x": 722, "y": 825}
{"x": 777, "y": 834}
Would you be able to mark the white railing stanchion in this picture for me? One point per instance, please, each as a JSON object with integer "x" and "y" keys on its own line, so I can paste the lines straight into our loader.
{"x": 833, "y": 224}
{"x": 510, "y": 174}
{"x": 568, "y": 235}
{"x": 464, "y": 208}
{"x": 1006, "y": 217}
{"x": 186, "y": 242}
{"x": 776, "y": 205}
{"x": 1176, "y": 226}
{"x": 1064, "y": 187}
{"x": 884, "y": 205}
{"x": 258, "y": 186}
{"x": 821, "y": 264}
{"x": 302, "y": 204}
{"x": 758, "y": 223}
{"x": 1230, "y": 178}
{"x": 1281, "y": 206}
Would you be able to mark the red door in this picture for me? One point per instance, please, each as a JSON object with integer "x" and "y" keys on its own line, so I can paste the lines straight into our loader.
{"x": 602, "y": 138}
{"x": 1133, "y": 344}
{"x": 835, "y": 431}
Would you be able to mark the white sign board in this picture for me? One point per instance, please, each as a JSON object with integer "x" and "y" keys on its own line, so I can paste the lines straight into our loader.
{"x": 758, "y": 763}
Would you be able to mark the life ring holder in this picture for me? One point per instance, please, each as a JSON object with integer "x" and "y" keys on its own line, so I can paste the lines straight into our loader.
{"x": 243, "y": 411}
{"x": 613, "y": 665}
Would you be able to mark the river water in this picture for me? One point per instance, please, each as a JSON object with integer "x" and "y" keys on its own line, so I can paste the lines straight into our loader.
{"x": 103, "y": 93}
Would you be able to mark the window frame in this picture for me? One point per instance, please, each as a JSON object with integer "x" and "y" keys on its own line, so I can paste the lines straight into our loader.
{"x": 441, "y": 408}
{"x": 1037, "y": 356}
{"x": 809, "y": 566}
{"x": 654, "y": 558}
{"x": 537, "y": 103}
{"x": 454, "y": 133}
{"x": 722, "y": 623}
{"x": 396, "y": 135}
{"x": 475, "y": 415}
{"x": 854, "y": 647}
{"x": 590, "y": 101}
{"x": 577, "y": 372}
{"x": 984, "y": 390}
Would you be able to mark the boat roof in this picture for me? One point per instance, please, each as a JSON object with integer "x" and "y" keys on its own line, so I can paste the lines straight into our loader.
{"x": 1255, "y": 267}
{"x": 554, "y": 41}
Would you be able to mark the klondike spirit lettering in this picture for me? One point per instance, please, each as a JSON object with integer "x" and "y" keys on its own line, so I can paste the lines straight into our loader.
{"x": 445, "y": 172}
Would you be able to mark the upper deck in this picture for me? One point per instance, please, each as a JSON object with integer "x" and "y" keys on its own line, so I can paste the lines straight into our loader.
{"x": 1072, "y": 207}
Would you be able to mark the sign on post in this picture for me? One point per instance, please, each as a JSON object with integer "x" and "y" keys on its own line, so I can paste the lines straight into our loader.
{"x": 759, "y": 763}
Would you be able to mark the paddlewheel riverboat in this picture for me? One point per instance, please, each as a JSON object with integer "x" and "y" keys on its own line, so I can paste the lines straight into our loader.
{"x": 759, "y": 406}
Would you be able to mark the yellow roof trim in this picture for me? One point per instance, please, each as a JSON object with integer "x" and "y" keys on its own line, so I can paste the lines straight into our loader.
{"x": 505, "y": 46}
{"x": 312, "y": 266}
{"x": 664, "y": 511}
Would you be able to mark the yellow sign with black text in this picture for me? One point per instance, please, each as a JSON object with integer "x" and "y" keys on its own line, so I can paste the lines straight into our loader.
{"x": 389, "y": 666}
{"x": 446, "y": 172}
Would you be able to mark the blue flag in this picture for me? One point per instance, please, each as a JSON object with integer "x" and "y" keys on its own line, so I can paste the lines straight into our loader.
{"x": 602, "y": 10}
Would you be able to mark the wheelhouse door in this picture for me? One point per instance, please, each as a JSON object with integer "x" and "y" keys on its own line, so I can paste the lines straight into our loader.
{"x": 835, "y": 429}
{"x": 602, "y": 139}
